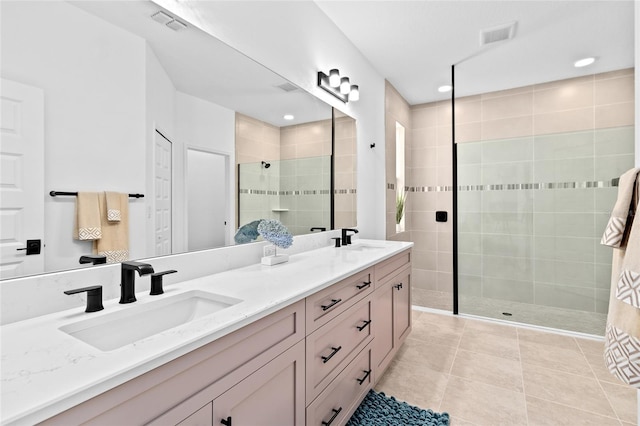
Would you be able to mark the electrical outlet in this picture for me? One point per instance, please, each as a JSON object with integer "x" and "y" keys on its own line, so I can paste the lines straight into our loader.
{"x": 268, "y": 250}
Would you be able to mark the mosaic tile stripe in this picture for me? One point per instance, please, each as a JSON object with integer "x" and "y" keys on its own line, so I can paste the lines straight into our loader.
{"x": 299, "y": 192}
{"x": 514, "y": 186}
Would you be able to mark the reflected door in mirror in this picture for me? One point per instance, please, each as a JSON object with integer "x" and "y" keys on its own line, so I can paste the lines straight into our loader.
{"x": 22, "y": 182}
{"x": 163, "y": 195}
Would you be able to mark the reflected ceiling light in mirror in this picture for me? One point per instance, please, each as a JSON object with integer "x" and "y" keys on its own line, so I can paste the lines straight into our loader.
{"x": 288, "y": 117}
{"x": 584, "y": 62}
{"x": 344, "y": 90}
{"x": 444, "y": 88}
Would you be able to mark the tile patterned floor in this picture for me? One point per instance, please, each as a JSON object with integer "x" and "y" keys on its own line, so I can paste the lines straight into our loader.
{"x": 485, "y": 373}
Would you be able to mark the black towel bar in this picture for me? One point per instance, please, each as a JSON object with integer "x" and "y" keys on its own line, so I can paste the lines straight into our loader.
{"x": 75, "y": 194}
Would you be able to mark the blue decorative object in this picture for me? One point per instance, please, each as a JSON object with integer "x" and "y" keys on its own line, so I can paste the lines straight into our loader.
{"x": 377, "y": 409}
{"x": 248, "y": 232}
{"x": 275, "y": 232}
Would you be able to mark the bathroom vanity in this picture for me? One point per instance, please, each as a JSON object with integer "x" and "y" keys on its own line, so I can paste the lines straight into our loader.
{"x": 294, "y": 344}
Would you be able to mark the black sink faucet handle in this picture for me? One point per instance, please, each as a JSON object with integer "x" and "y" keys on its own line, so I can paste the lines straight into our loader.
{"x": 156, "y": 281}
{"x": 96, "y": 259}
{"x": 346, "y": 238}
{"x": 94, "y": 297}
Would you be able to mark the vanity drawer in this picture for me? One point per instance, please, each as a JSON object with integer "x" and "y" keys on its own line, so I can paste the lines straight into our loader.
{"x": 389, "y": 266}
{"x": 344, "y": 394}
{"x": 325, "y": 305}
{"x": 332, "y": 346}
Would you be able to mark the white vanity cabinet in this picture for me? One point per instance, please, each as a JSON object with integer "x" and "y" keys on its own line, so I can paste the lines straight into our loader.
{"x": 310, "y": 363}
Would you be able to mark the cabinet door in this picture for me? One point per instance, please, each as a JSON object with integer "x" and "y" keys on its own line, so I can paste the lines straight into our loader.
{"x": 401, "y": 307}
{"x": 382, "y": 326}
{"x": 273, "y": 395}
{"x": 202, "y": 417}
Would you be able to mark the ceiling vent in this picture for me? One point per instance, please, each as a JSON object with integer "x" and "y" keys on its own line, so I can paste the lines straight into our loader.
{"x": 287, "y": 87}
{"x": 497, "y": 34}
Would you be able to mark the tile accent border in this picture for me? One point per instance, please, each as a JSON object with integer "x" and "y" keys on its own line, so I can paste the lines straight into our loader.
{"x": 515, "y": 186}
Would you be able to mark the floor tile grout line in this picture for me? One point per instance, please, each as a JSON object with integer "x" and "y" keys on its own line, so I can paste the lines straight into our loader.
{"x": 606, "y": 395}
{"x": 524, "y": 389}
{"x": 574, "y": 408}
{"x": 455, "y": 355}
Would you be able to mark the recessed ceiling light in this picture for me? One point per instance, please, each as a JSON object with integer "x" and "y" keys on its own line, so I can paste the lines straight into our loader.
{"x": 584, "y": 62}
{"x": 444, "y": 89}
{"x": 288, "y": 117}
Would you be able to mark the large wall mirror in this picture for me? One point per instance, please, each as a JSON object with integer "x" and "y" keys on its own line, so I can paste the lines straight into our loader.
{"x": 100, "y": 96}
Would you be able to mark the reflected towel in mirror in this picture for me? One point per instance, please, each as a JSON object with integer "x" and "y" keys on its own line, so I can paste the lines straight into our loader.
{"x": 87, "y": 217}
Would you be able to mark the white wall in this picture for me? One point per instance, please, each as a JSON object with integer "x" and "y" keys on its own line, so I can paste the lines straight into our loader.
{"x": 209, "y": 127}
{"x": 295, "y": 40}
{"x": 89, "y": 121}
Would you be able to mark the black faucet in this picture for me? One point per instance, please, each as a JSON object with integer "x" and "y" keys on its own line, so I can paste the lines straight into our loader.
{"x": 346, "y": 238}
{"x": 128, "y": 279}
{"x": 96, "y": 259}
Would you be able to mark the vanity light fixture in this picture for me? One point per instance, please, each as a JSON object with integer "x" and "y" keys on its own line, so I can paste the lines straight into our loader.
{"x": 338, "y": 86}
{"x": 584, "y": 62}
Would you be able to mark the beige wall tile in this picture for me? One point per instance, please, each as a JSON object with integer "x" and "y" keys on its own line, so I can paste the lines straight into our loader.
{"x": 422, "y": 138}
{"x": 558, "y": 83}
{"x": 614, "y": 90}
{"x": 507, "y": 128}
{"x": 445, "y": 281}
{"x": 564, "y": 121}
{"x": 507, "y": 106}
{"x": 468, "y": 111}
{"x": 614, "y": 115}
{"x": 571, "y": 95}
{"x": 424, "y": 279}
{"x": 469, "y": 132}
{"x": 614, "y": 74}
{"x": 424, "y": 116}
{"x": 507, "y": 92}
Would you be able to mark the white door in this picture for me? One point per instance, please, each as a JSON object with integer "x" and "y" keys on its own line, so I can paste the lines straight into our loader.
{"x": 21, "y": 178}
{"x": 207, "y": 199}
{"x": 162, "y": 205}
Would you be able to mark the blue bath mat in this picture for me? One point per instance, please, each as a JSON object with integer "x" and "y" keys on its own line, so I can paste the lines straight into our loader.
{"x": 377, "y": 409}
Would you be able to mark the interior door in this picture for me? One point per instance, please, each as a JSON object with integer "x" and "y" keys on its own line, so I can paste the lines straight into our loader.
{"x": 21, "y": 178}
{"x": 163, "y": 194}
{"x": 207, "y": 199}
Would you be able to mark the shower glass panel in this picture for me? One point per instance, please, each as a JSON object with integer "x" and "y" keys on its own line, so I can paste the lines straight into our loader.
{"x": 296, "y": 192}
{"x": 532, "y": 209}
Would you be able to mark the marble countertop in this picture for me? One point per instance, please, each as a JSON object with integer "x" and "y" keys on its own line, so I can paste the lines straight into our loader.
{"x": 45, "y": 371}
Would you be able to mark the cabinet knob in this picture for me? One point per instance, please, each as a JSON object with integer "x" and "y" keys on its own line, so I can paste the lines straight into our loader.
{"x": 398, "y": 286}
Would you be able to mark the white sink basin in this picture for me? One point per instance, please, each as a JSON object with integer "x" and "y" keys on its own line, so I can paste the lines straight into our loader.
{"x": 120, "y": 328}
{"x": 365, "y": 246}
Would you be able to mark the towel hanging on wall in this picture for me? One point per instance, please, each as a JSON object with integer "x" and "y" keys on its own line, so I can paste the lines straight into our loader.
{"x": 622, "y": 336}
{"x": 114, "y": 243}
{"x": 113, "y": 206}
{"x": 87, "y": 225}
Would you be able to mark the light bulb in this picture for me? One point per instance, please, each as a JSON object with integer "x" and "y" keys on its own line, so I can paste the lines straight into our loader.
{"x": 334, "y": 78}
{"x": 345, "y": 87}
{"x": 354, "y": 94}
{"x": 584, "y": 62}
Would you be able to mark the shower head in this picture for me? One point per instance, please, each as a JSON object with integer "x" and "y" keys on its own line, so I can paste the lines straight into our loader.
{"x": 266, "y": 165}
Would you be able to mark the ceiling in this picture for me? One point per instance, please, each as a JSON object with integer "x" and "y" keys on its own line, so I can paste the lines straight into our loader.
{"x": 414, "y": 43}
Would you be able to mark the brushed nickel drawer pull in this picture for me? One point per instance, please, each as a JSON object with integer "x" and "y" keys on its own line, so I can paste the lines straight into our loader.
{"x": 363, "y": 285}
{"x": 335, "y": 414}
{"x": 361, "y": 381}
{"x": 363, "y": 326}
{"x": 333, "y": 303}
{"x": 335, "y": 351}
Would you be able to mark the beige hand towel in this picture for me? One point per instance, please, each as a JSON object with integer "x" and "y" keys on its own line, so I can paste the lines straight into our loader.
{"x": 114, "y": 243}
{"x": 614, "y": 234}
{"x": 114, "y": 213}
{"x": 622, "y": 337}
{"x": 87, "y": 217}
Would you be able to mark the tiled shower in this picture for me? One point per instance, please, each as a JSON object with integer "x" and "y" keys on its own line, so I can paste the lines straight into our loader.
{"x": 536, "y": 168}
